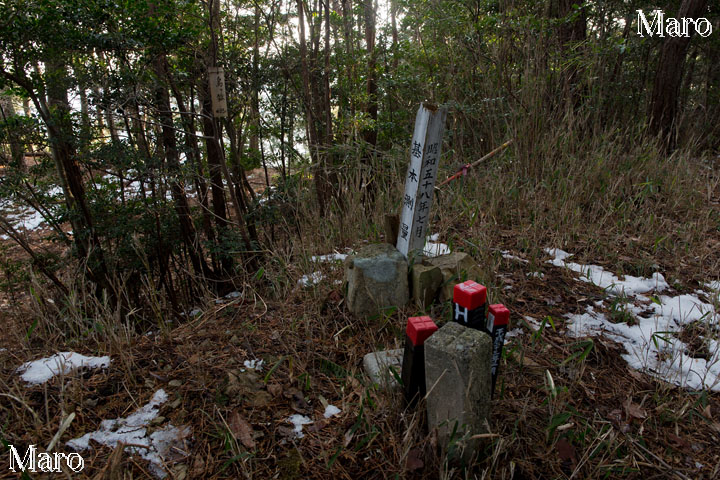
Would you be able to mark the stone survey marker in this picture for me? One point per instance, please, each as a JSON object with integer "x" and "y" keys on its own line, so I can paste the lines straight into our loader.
{"x": 457, "y": 378}
{"x": 217, "y": 91}
{"x": 425, "y": 152}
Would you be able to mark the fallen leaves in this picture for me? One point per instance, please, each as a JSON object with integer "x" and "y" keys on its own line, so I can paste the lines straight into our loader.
{"x": 633, "y": 410}
{"x": 241, "y": 430}
{"x": 414, "y": 460}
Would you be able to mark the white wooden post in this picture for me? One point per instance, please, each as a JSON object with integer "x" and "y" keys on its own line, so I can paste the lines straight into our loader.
{"x": 420, "y": 178}
{"x": 216, "y": 77}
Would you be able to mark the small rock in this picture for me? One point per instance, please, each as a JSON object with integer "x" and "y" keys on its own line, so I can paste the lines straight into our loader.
{"x": 378, "y": 366}
{"x": 180, "y": 471}
{"x": 234, "y": 340}
{"x": 90, "y": 402}
{"x": 176, "y": 403}
{"x": 174, "y": 383}
{"x": 157, "y": 420}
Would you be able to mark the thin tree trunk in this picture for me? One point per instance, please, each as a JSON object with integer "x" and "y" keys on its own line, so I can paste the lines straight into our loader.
{"x": 668, "y": 78}
{"x": 187, "y": 230}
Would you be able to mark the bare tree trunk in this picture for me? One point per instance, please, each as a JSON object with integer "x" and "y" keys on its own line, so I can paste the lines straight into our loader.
{"x": 668, "y": 78}
{"x": 311, "y": 117}
{"x": 187, "y": 230}
{"x": 196, "y": 161}
{"x": 7, "y": 111}
{"x": 61, "y": 136}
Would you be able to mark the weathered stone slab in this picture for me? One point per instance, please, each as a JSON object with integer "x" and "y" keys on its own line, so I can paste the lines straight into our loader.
{"x": 377, "y": 278}
{"x": 426, "y": 281}
{"x": 458, "y": 380}
{"x": 456, "y": 267}
{"x": 380, "y": 366}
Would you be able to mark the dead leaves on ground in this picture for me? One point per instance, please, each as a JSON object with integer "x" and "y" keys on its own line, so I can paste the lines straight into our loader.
{"x": 241, "y": 430}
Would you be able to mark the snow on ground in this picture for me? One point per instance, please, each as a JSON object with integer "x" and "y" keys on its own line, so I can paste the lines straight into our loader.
{"x": 433, "y": 248}
{"x": 648, "y": 338}
{"x": 254, "y": 364}
{"x": 298, "y": 421}
{"x": 28, "y": 219}
{"x": 515, "y": 332}
{"x": 330, "y": 257}
{"x": 506, "y": 254}
{"x": 607, "y": 280}
{"x": 331, "y": 411}
{"x": 310, "y": 279}
{"x": 156, "y": 448}
{"x": 42, "y": 370}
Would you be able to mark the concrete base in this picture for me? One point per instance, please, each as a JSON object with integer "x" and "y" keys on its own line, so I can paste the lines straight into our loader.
{"x": 456, "y": 267}
{"x": 426, "y": 281}
{"x": 377, "y": 278}
{"x": 458, "y": 380}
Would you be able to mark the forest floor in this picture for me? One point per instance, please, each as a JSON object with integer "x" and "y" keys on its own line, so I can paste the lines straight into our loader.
{"x": 249, "y": 381}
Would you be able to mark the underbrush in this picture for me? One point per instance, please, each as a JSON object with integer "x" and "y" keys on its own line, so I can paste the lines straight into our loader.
{"x": 567, "y": 408}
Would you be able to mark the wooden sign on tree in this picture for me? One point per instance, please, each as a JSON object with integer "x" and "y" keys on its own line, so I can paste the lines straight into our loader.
{"x": 425, "y": 152}
{"x": 217, "y": 91}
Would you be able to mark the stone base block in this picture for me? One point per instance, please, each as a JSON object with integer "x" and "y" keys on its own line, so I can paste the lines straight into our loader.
{"x": 458, "y": 380}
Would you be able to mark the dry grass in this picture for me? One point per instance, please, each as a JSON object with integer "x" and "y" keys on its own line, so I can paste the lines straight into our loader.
{"x": 612, "y": 202}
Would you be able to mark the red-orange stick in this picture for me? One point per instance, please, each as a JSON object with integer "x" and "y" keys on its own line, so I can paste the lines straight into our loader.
{"x": 465, "y": 168}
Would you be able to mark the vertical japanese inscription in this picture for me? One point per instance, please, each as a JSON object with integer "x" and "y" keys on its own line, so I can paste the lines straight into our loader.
{"x": 216, "y": 77}
{"x": 425, "y": 152}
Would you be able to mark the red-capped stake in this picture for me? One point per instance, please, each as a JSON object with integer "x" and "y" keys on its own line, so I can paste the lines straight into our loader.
{"x": 469, "y": 294}
{"x": 469, "y": 302}
{"x": 417, "y": 331}
{"x": 498, "y": 321}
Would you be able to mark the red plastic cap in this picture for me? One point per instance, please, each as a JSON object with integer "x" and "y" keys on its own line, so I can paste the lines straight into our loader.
{"x": 500, "y": 313}
{"x": 469, "y": 294}
{"x": 419, "y": 329}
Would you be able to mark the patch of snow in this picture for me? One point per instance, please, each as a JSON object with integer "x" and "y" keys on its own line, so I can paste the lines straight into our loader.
{"x": 132, "y": 430}
{"x": 195, "y": 312}
{"x": 310, "y": 279}
{"x": 432, "y": 249}
{"x": 534, "y": 324}
{"x": 233, "y": 295}
{"x": 330, "y": 257}
{"x": 714, "y": 285}
{"x": 254, "y": 364}
{"x": 649, "y": 342}
{"x": 599, "y": 276}
{"x": 331, "y": 411}
{"x": 42, "y": 370}
{"x": 515, "y": 332}
{"x": 29, "y": 219}
{"x": 539, "y": 275}
{"x": 506, "y": 254}
{"x": 558, "y": 254}
{"x": 298, "y": 421}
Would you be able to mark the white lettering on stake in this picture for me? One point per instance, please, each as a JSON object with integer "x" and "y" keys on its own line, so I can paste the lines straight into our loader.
{"x": 425, "y": 151}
